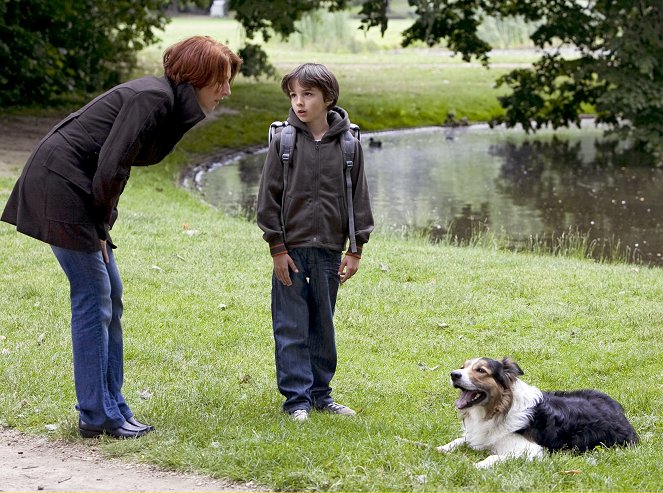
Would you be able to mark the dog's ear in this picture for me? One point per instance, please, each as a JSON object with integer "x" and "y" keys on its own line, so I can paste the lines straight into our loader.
{"x": 507, "y": 372}
{"x": 512, "y": 367}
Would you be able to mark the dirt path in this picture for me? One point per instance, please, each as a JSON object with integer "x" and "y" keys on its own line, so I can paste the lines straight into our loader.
{"x": 18, "y": 135}
{"x": 32, "y": 463}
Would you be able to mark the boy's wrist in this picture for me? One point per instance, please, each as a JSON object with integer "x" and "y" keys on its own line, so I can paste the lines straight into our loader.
{"x": 277, "y": 249}
{"x": 356, "y": 254}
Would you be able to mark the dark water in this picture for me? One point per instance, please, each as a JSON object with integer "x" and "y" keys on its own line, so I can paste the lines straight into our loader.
{"x": 529, "y": 189}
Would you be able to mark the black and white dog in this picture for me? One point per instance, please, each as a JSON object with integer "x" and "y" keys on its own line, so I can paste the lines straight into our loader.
{"x": 510, "y": 418}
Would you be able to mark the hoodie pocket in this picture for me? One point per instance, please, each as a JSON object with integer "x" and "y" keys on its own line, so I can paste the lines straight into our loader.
{"x": 298, "y": 218}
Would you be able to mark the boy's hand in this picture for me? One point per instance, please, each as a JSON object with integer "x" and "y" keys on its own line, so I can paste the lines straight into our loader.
{"x": 282, "y": 265}
{"x": 349, "y": 266}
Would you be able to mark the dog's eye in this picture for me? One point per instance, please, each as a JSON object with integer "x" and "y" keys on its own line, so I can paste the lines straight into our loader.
{"x": 481, "y": 370}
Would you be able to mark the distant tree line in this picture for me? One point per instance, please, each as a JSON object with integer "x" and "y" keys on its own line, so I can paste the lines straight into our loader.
{"x": 51, "y": 47}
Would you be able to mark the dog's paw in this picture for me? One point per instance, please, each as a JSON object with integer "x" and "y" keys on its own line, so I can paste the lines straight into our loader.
{"x": 443, "y": 449}
{"x": 487, "y": 463}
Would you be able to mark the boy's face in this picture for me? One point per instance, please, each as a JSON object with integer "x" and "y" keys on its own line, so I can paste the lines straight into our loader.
{"x": 309, "y": 104}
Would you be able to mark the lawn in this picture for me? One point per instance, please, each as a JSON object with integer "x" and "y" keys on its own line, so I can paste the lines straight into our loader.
{"x": 198, "y": 342}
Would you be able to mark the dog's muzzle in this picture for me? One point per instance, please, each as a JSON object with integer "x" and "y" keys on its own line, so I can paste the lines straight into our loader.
{"x": 468, "y": 396}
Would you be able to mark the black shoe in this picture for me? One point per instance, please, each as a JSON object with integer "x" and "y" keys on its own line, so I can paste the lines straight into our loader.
{"x": 126, "y": 430}
{"x": 133, "y": 421}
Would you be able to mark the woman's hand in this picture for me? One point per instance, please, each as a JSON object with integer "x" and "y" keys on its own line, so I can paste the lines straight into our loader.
{"x": 104, "y": 251}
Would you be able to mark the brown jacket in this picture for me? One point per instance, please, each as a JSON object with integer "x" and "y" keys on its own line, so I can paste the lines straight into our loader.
{"x": 68, "y": 191}
{"x": 314, "y": 205}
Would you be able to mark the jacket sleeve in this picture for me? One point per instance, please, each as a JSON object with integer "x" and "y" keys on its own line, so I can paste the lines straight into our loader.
{"x": 270, "y": 195}
{"x": 137, "y": 117}
{"x": 361, "y": 201}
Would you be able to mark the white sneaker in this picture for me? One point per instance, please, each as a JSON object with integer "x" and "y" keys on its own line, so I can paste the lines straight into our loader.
{"x": 299, "y": 415}
{"x": 336, "y": 408}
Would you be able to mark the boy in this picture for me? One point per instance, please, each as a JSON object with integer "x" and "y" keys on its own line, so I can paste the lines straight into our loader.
{"x": 306, "y": 226}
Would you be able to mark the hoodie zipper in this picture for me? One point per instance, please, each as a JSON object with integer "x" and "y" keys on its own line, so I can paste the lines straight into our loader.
{"x": 316, "y": 198}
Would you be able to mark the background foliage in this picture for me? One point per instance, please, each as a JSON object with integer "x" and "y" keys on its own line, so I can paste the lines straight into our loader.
{"x": 600, "y": 56}
{"x": 52, "y": 47}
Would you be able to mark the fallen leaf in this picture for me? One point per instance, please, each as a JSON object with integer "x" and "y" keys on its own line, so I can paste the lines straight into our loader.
{"x": 383, "y": 267}
{"x": 156, "y": 267}
{"x": 572, "y": 472}
{"x": 145, "y": 394}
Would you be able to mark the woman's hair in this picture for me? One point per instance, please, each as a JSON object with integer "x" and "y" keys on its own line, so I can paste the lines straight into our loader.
{"x": 200, "y": 61}
{"x": 310, "y": 75}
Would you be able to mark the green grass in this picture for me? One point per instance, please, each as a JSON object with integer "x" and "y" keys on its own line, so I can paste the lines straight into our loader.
{"x": 199, "y": 347}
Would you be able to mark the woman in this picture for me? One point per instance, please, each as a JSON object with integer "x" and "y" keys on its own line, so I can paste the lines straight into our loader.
{"x": 67, "y": 196}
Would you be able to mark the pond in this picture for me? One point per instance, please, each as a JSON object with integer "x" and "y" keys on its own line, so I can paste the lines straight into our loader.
{"x": 456, "y": 183}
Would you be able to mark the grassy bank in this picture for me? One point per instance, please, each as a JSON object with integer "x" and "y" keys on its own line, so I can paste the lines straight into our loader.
{"x": 199, "y": 349}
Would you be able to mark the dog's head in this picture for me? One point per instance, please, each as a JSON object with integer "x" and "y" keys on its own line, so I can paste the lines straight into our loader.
{"x": 487, "y": 383}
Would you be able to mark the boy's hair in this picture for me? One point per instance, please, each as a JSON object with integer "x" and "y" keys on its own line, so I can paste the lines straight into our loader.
{"x": 201, "y": 61}
{"x": 316, "y": 75}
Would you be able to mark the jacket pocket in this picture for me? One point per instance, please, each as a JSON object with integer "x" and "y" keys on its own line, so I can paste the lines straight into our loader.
{"x": 67, "y": 191}
{"x": 298, "y": 218}
{"x": 66, "y": 163}
{"x": 65, "y": 202}
{"x": 335, "y": 218}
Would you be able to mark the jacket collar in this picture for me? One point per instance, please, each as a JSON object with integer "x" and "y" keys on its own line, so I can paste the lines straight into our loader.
{"x": 337, "y": 118}
{"x": 186, "y": 105}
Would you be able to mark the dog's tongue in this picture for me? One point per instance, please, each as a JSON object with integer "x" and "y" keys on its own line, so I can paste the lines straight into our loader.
{"x": 465, "y": 398}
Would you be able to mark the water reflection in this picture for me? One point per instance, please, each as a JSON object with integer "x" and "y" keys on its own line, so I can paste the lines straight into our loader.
{"x": 456, "y": 182}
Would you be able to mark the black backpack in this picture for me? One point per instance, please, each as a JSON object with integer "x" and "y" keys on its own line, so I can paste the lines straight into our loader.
{"x": 288, "y": 135}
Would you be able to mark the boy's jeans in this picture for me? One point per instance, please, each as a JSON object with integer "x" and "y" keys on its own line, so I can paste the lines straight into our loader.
{"x": 302, "y": 318}
{"x": 96, "y": 333}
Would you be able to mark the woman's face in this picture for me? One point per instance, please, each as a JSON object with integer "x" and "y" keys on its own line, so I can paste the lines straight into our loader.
{"x": 209, "y": 96}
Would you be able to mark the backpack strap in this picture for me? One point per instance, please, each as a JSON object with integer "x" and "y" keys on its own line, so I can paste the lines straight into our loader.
{"x": 288, "y": 135}
{"x": 348, "y": 145}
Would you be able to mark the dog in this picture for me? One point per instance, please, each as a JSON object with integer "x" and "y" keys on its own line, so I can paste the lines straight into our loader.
{"x": 510, "y": 418}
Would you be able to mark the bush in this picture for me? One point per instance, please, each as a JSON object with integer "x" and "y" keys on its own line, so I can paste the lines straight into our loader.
{"x": 53, "y": 47}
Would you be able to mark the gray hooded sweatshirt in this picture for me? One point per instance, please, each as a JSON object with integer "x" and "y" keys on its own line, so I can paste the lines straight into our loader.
{"x": 315, "y": 212}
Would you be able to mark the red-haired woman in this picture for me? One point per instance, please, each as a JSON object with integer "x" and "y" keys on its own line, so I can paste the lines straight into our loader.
{"x": 67, "y": 196}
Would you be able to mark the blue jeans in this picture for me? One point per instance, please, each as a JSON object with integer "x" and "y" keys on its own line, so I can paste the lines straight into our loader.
{"x": 302, "y": 319}
{"x": 96, "y": 334}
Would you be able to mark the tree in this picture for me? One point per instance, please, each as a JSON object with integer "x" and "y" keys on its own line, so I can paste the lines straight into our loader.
{"x": 51, "y": 47}
{"x": 268, "y": 18}
{"x": 614, "y": 68}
